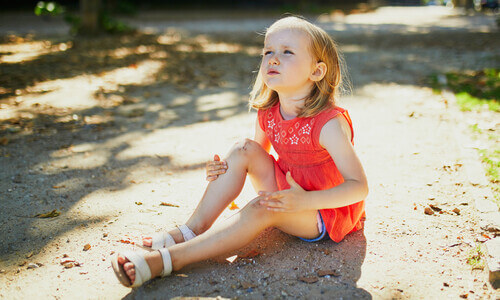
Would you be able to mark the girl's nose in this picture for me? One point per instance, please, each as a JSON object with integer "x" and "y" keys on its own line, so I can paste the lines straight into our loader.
{"x": 274, "y": 61}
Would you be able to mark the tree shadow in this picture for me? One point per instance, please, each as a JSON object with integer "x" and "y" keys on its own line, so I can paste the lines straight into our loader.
{"x": 45, "y": 180}
{"x": 277, "y": 262}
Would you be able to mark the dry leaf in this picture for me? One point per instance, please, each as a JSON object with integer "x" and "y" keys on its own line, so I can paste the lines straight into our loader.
{"x": 428, "y": 211}
{"x": 309, "y": 279}
{"x": 126, "y": 241}
{"x": 138, "y": 203}
{"x": 58, "y": 186}
{"x": 86, "y": 247}
{"x": 251, "y": 254}
{"x": 168, "y": 204}
{"x": 67, "y": 260}
{"x": 233, "y": 206}
{"x": 68, "y": 265}
{"x": 4, "y": 141}
{"x": 324, "y": 250}
{"x": 51, "y": 214}
{"x": 457, "y": 211}
{"x": 322, "y": 273}
{"x": 246, "y": 285}
{"x": 434, "y": 207}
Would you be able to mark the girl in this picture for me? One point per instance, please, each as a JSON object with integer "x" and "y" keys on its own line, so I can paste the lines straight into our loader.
{"x": 316, "y": 187}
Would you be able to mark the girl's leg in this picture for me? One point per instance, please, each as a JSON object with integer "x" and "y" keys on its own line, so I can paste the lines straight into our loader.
{"x": 230, "y": 235}
{"x": 246, "y": 157}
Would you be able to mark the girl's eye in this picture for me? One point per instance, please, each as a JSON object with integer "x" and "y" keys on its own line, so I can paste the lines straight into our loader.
{"x": 288, "y": 52}
{"x": 267, "y": 52}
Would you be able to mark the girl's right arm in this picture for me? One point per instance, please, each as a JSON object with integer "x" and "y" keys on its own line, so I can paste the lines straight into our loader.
{"x": 217, "y": 167}
{"x": 261, "y": 138}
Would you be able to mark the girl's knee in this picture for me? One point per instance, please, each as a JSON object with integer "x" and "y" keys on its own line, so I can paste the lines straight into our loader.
{"x": 246, "y": 147}
{"x": 257, "y": 211}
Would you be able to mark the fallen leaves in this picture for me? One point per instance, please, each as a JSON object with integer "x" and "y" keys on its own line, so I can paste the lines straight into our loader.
{"x": 51, "y": 214}
{"x": 126, "y": 241}
{"x": 233, "y": 206}
{"x": 247, "y": 285}
{"x": 309, "y": 279}
{"x": 428, "y": 211}
{"x": 323, "y": 273}
{"x": 168, "y": 204}
{"x": 68, "y": 262}
{"x": 86, "y": 247}
{"x": 138, "y": 203}
{"x": 251, "y": 254}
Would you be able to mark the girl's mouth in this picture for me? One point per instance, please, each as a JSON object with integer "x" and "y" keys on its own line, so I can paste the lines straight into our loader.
{"x": 272, "y": 72}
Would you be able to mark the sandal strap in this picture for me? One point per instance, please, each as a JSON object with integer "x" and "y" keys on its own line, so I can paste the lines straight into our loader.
{"x": 167, "y": 262}
{"x": 187, "y": 233}
{"x": 142, "y": 271}
{"x": 162, "y": 240}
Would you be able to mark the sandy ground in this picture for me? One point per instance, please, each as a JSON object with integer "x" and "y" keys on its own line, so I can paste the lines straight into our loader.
{"x": 106, "y": 146}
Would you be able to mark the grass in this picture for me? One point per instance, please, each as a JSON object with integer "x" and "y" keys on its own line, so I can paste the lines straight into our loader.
{"x": 478, "y": 91}
{"x": 475, "y": 257}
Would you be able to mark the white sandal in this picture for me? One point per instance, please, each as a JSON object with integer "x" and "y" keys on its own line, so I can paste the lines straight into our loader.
{"x": 142, "y": 271}
{"x": 165, "y": 240}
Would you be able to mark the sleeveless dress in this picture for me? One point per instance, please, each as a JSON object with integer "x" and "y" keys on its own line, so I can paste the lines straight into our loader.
{"x": 297, "y": 144}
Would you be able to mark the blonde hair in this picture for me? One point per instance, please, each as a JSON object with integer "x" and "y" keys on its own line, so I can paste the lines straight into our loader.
{"x": 324, "y": 92}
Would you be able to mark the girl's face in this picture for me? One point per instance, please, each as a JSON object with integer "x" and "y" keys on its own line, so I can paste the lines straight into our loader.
{"x": 287, "y": 63}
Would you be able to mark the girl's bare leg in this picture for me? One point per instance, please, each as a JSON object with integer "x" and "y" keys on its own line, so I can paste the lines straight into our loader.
{"x": 230, "y": 235}
{"x": 246, "y": 157}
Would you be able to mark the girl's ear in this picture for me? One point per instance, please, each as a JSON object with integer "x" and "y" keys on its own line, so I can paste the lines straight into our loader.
{"x": 319, "y": 72}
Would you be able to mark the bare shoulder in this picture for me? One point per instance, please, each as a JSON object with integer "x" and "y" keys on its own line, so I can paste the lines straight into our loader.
{"x": 335, "y": 129}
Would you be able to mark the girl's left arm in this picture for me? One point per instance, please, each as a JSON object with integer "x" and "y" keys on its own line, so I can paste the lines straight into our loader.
{"x": 335, "y": 137}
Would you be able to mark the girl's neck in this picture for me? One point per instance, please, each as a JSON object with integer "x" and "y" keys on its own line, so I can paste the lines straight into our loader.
{"x": 290, "y": 105}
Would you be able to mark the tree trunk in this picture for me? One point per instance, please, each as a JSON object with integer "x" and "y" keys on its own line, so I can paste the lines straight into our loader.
{"x": 90, "y": 11}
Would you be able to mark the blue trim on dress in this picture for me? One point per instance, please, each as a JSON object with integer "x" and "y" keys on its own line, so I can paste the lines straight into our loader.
{"x": 322, "y": 233}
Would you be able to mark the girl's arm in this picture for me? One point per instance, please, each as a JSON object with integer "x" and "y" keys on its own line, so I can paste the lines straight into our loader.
{"x": 261, "y": 138}
{"x": 335, "y": 137}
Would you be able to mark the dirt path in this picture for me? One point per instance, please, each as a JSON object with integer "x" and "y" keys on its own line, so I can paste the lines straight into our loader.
{"x": 108, "y": 139}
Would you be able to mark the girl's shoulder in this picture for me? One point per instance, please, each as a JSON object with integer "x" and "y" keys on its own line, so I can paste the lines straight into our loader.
{"x": 330, "y": 114}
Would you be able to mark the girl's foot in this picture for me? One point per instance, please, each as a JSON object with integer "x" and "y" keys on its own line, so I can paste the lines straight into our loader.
{"x": 165, "y": 240}
{"x": 133, "y": 268}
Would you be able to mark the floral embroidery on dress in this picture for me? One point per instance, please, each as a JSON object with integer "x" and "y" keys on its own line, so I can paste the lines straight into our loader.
{"x": 294, "y": 140}
{"x": 270, "y": 124}
{"x": 277, "y": 137}
{"x": 306, "y": 129}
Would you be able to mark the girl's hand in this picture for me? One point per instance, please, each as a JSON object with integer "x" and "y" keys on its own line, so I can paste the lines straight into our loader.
{"x": 291, "y": 200}
{"x": 215, "y": 168}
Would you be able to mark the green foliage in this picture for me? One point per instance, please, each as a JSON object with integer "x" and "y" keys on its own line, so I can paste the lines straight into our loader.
{"x": 107, "y": 23}
{"x": 474, "y": 90}
{"x": 475, "y": 257}
{"x": 126, "y": 7}
{"x": 112, "y": 25}
{"x": 43, "y": 8}
{"x": 492, "y": 159}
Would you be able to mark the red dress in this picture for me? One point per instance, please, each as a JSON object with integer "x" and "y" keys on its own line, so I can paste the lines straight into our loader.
{"x": 296, "y": 142}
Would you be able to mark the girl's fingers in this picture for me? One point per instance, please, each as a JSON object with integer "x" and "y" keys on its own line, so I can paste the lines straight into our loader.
{"x": 211, "y": 178}
{"x": 275, "y": 195}
{"x": 213, "y": 166}
{"x": 216, "y": 172}
{"x": 271, "y": 203}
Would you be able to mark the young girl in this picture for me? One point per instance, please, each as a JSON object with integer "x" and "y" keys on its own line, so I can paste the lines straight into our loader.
{"x": 315, "y": 189}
